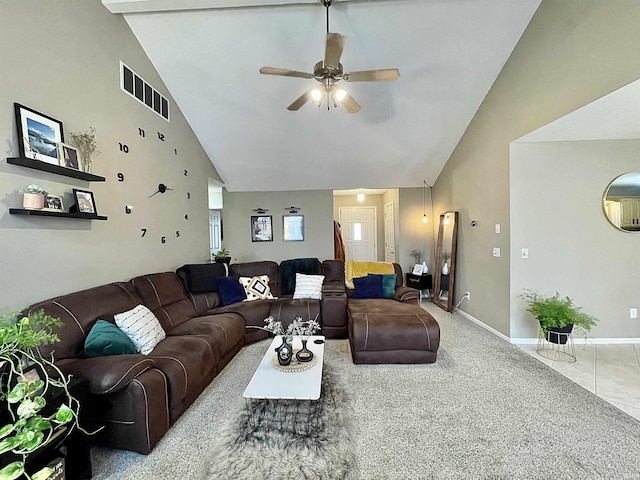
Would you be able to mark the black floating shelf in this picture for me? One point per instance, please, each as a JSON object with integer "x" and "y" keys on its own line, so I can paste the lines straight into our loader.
{"x": 51, "y": 168}
{"x": 47, "y": 213}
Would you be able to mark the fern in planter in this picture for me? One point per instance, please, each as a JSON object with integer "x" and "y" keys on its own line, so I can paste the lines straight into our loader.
{"x": 22, "y": 398}
{"x": 554, "y": 312}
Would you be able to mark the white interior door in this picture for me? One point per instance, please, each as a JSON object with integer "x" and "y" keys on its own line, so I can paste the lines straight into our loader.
{"x": 359, "y": 233}
{"x": 214, "y": 231}
{"x": 389, "y": 234}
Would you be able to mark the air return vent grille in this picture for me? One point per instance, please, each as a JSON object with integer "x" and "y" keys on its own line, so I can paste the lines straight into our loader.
{"x": 134, "y": 85}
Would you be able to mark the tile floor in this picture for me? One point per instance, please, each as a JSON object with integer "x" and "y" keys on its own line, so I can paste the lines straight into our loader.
{"x": 610, "y": 371}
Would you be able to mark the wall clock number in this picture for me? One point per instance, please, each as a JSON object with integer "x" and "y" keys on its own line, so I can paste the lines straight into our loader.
{"x": 161, "y": 136}
{"x": 186, "y": 216}
{"x": 127, "y": 210}
{"x": 186, "y": 173}
{"x": 123, "y": 148}
{"x": 163, "y": 239}
{"x": 121, "y": 177}
{"x": 188, "y": 196}
{"x": 177, "y": 233}
{"x": 175, "y": 151}
{"x": 141, "y": 132}
{"x": 144, "y": 232}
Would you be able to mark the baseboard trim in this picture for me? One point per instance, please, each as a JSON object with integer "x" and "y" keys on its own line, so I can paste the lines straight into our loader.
{"x": 534, "y": 341}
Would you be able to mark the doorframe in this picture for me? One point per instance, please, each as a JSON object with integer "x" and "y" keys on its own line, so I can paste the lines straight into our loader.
{"x": 375, "y": 224}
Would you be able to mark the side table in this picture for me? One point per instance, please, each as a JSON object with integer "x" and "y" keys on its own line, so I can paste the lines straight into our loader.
{"x": 420, "y": 282}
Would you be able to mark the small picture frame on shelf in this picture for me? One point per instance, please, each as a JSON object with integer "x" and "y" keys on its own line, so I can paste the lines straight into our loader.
{"x": 39, "y": 135}
{"x": 85, "y": 203}
{"x": 53, "y": 203}
{"x": 417, "y": 269}
{"x": 69, "y": 156}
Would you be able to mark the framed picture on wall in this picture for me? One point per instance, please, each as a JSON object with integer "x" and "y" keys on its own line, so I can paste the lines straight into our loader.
{"x": 85, "y": 203}
{"x": 38, "y": 135}
{"x": 261, "y": 228}
{"x": 293, "y": 228}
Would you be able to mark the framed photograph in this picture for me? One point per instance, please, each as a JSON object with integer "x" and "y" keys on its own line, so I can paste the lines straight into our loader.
{"x": 261, "y": 230}
{"x": 68, "y": 156}
{"x": 293, "y": 228}
{"x": 53, "y": 203}
{"x": 85, "y": 203}
{"x": 417, "y": 269}
{"x": 38, "y": 135}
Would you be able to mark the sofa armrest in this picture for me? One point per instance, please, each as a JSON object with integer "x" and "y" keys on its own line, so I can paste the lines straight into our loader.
{"x": 406, "y": 295}
{"x": 334, "y": 287}
{"x": 333, "y": 308}
{"x": 106, "y": 374}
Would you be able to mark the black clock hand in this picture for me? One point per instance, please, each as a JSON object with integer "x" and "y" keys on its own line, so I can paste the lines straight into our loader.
{"x": 161, "y": 189}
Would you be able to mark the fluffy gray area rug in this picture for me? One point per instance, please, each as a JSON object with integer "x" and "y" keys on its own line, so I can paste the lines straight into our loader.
{"x": 288, "y": 439}
{"x": 485, "y": 410}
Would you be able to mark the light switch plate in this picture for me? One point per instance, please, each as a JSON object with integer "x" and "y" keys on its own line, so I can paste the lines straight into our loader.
{"x": 525, "y": 253}
{"x": 496, "y": 251}
{"x": 633, "y": 313}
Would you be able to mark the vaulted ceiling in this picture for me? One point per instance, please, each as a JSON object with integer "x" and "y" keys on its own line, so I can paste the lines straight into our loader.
{"x": 208, "y": 53}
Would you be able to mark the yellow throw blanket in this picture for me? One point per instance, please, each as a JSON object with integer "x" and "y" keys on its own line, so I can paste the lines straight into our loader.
{"x": 355, "y": 269}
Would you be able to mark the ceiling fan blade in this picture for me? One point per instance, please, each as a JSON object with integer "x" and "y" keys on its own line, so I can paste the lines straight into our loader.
{"x": 350, "y": 104}
{"x": 333, "y": 50}
{"x": 382, "y": 75}
{"x": 283, "y": 72}
{"x": 300, "y": 101}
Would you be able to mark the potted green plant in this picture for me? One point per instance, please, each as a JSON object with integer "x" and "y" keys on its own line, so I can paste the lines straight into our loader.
{"x": 222, "y": 256}
{"x": 25, "y": 378}
{"x": 557, "y": 315}
{"x": 33, "y": 197}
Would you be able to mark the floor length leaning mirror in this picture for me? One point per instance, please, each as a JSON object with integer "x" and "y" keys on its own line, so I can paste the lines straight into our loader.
{"x": 446, "y": 260}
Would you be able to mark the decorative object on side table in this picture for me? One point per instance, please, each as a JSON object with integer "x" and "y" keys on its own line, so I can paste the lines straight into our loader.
{"x": 222, "y": 256}
{"x": 25, "y": 378}
{"x": 33, "y": 197}
{"x": 416, "y": 254}
{"x": 85, "y": 142}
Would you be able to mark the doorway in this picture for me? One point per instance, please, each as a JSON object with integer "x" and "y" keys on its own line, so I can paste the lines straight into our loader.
{"x": 389, "y": 234}
{"x": 359, "y": 227}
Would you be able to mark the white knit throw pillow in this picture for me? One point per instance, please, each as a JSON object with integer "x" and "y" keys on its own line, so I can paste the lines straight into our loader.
{"x": 308, "y": 286}
{"x": 142, "y": 327}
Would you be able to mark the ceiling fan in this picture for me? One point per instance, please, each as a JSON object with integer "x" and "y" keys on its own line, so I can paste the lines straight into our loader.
{"x": 329, "y": 72}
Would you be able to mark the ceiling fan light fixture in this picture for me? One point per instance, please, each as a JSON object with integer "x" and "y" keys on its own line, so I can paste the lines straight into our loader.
{"x": 341, "y": 94}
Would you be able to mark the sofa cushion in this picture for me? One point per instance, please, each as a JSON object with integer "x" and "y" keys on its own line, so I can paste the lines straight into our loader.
{"x": 289, "y": 268}
{"x": 105, "y": 338}
{"x": 231, "y": 290}
{"x": 360, "y": 269}
{"x": 388, "y": 283}
{"x": 253, "y": 269}
{"x": 368, "y": 287}
{"x": 256, "y": 288}
{"x": 308, "y": 286}
{"x": 142, "y": 327}
{"x": 202, "y": 278}
{"x": 223, "y": 331}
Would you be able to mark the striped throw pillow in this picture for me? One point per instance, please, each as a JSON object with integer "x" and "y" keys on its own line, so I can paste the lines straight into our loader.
{"x": 308, "y": 286}
{"x": 142, "y": 327}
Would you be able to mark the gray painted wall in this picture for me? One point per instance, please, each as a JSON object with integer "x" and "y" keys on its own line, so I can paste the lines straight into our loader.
{"x": 316, "y": 206}
{"x": 572, "y": 52}
{"x": 413, "y": 233}
{"x": 573, "y": 249}
{"x": 68, "y": 68}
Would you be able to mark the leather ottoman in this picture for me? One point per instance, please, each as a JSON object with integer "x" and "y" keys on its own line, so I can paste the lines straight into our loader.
{"x": 387, "y": 331}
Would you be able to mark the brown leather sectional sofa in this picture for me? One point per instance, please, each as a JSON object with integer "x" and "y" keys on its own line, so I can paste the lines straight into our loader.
{"x": 138, "y": 397}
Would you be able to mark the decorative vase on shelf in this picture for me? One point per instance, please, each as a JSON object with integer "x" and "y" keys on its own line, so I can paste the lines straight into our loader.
{"x": 445, "y": 268}
{"x": 33, "y": 201}
{"x": 304, "y": 355}
{"x": 285, "y": 352}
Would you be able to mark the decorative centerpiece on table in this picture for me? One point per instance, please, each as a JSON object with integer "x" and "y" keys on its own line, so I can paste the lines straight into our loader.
{"x": 303, "y": 328}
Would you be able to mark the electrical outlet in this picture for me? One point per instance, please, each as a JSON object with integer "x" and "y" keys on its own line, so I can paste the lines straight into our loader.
{"x": 497, "y": 228}
{"x": 468, "y": 295}
{"x": 633, "y": 313}
{"x": 525, "y": 253}
{"x": 496, "y": 251}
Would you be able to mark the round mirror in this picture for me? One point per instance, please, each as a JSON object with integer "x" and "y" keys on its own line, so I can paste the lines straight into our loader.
{"x": 621, "y": 202}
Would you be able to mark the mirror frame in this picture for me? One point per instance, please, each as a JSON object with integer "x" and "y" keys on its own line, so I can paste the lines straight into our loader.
{"x": 604, "y": 205}
{"x": 452, "y": 262}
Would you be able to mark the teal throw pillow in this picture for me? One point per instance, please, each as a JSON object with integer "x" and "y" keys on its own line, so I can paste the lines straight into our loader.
{"x": 388, "y": 284}
{"x": 105, "y": 338}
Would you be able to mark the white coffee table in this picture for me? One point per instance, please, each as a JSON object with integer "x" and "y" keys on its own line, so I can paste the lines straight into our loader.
{"x": 272, "y": 384}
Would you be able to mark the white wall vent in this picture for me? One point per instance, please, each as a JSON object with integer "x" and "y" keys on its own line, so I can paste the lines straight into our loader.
{"x": 134, "y": 85}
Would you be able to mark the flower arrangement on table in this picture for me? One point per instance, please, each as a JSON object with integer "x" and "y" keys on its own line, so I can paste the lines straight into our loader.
{"x": 304, "y": 328}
